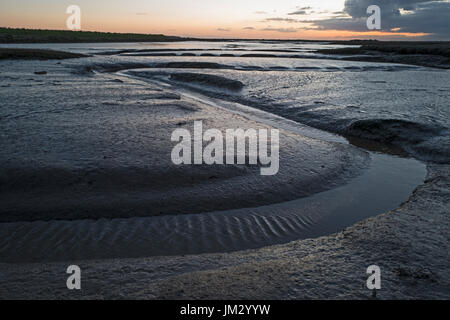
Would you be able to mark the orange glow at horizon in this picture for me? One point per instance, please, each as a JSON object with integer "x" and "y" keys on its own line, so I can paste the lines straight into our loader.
{"x": 199, "y": 18}
{"x": 205, "y": 32}
{"x": 198, "y": 29}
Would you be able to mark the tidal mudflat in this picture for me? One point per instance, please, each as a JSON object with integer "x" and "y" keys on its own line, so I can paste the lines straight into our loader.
{"x": 87, "y": 175}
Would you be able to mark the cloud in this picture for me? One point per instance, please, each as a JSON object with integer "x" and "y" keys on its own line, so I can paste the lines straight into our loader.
{"x": 298, "y": 12}
{"x": 248, "y": 28}
{"x": 413, "y": 16}
{"x": 389, "y": 8}
{"x": 260, "y": 12}
{"x": 281, "y": 30}
{"x": 289, "y": 20}
{"x": 224, "y": 29}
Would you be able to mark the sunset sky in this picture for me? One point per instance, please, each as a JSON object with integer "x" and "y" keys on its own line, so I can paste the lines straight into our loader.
{"x": 280, "y": 19}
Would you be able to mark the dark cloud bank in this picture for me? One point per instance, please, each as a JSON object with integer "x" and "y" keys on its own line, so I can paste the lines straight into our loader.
{"x": 408, "y": 15}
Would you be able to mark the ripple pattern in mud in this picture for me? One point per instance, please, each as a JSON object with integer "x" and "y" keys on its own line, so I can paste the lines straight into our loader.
{"x": 223, "y": 231}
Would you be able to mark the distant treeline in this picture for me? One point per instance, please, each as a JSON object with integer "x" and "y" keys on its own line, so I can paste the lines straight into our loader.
{"x": 11, "y": 35}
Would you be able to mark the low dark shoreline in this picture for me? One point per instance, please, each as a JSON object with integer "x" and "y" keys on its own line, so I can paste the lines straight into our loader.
{"x": 11, "y": 35}
{"x": 37, "y": 54}
{"x": 427, "y": 54}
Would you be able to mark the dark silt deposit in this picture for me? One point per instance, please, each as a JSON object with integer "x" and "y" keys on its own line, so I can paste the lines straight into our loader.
{"x": 414, "y": 137}
{"x": 37, "y": 54}
{"x": 192, "y": 65}
{"x": 208, "y": 80}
